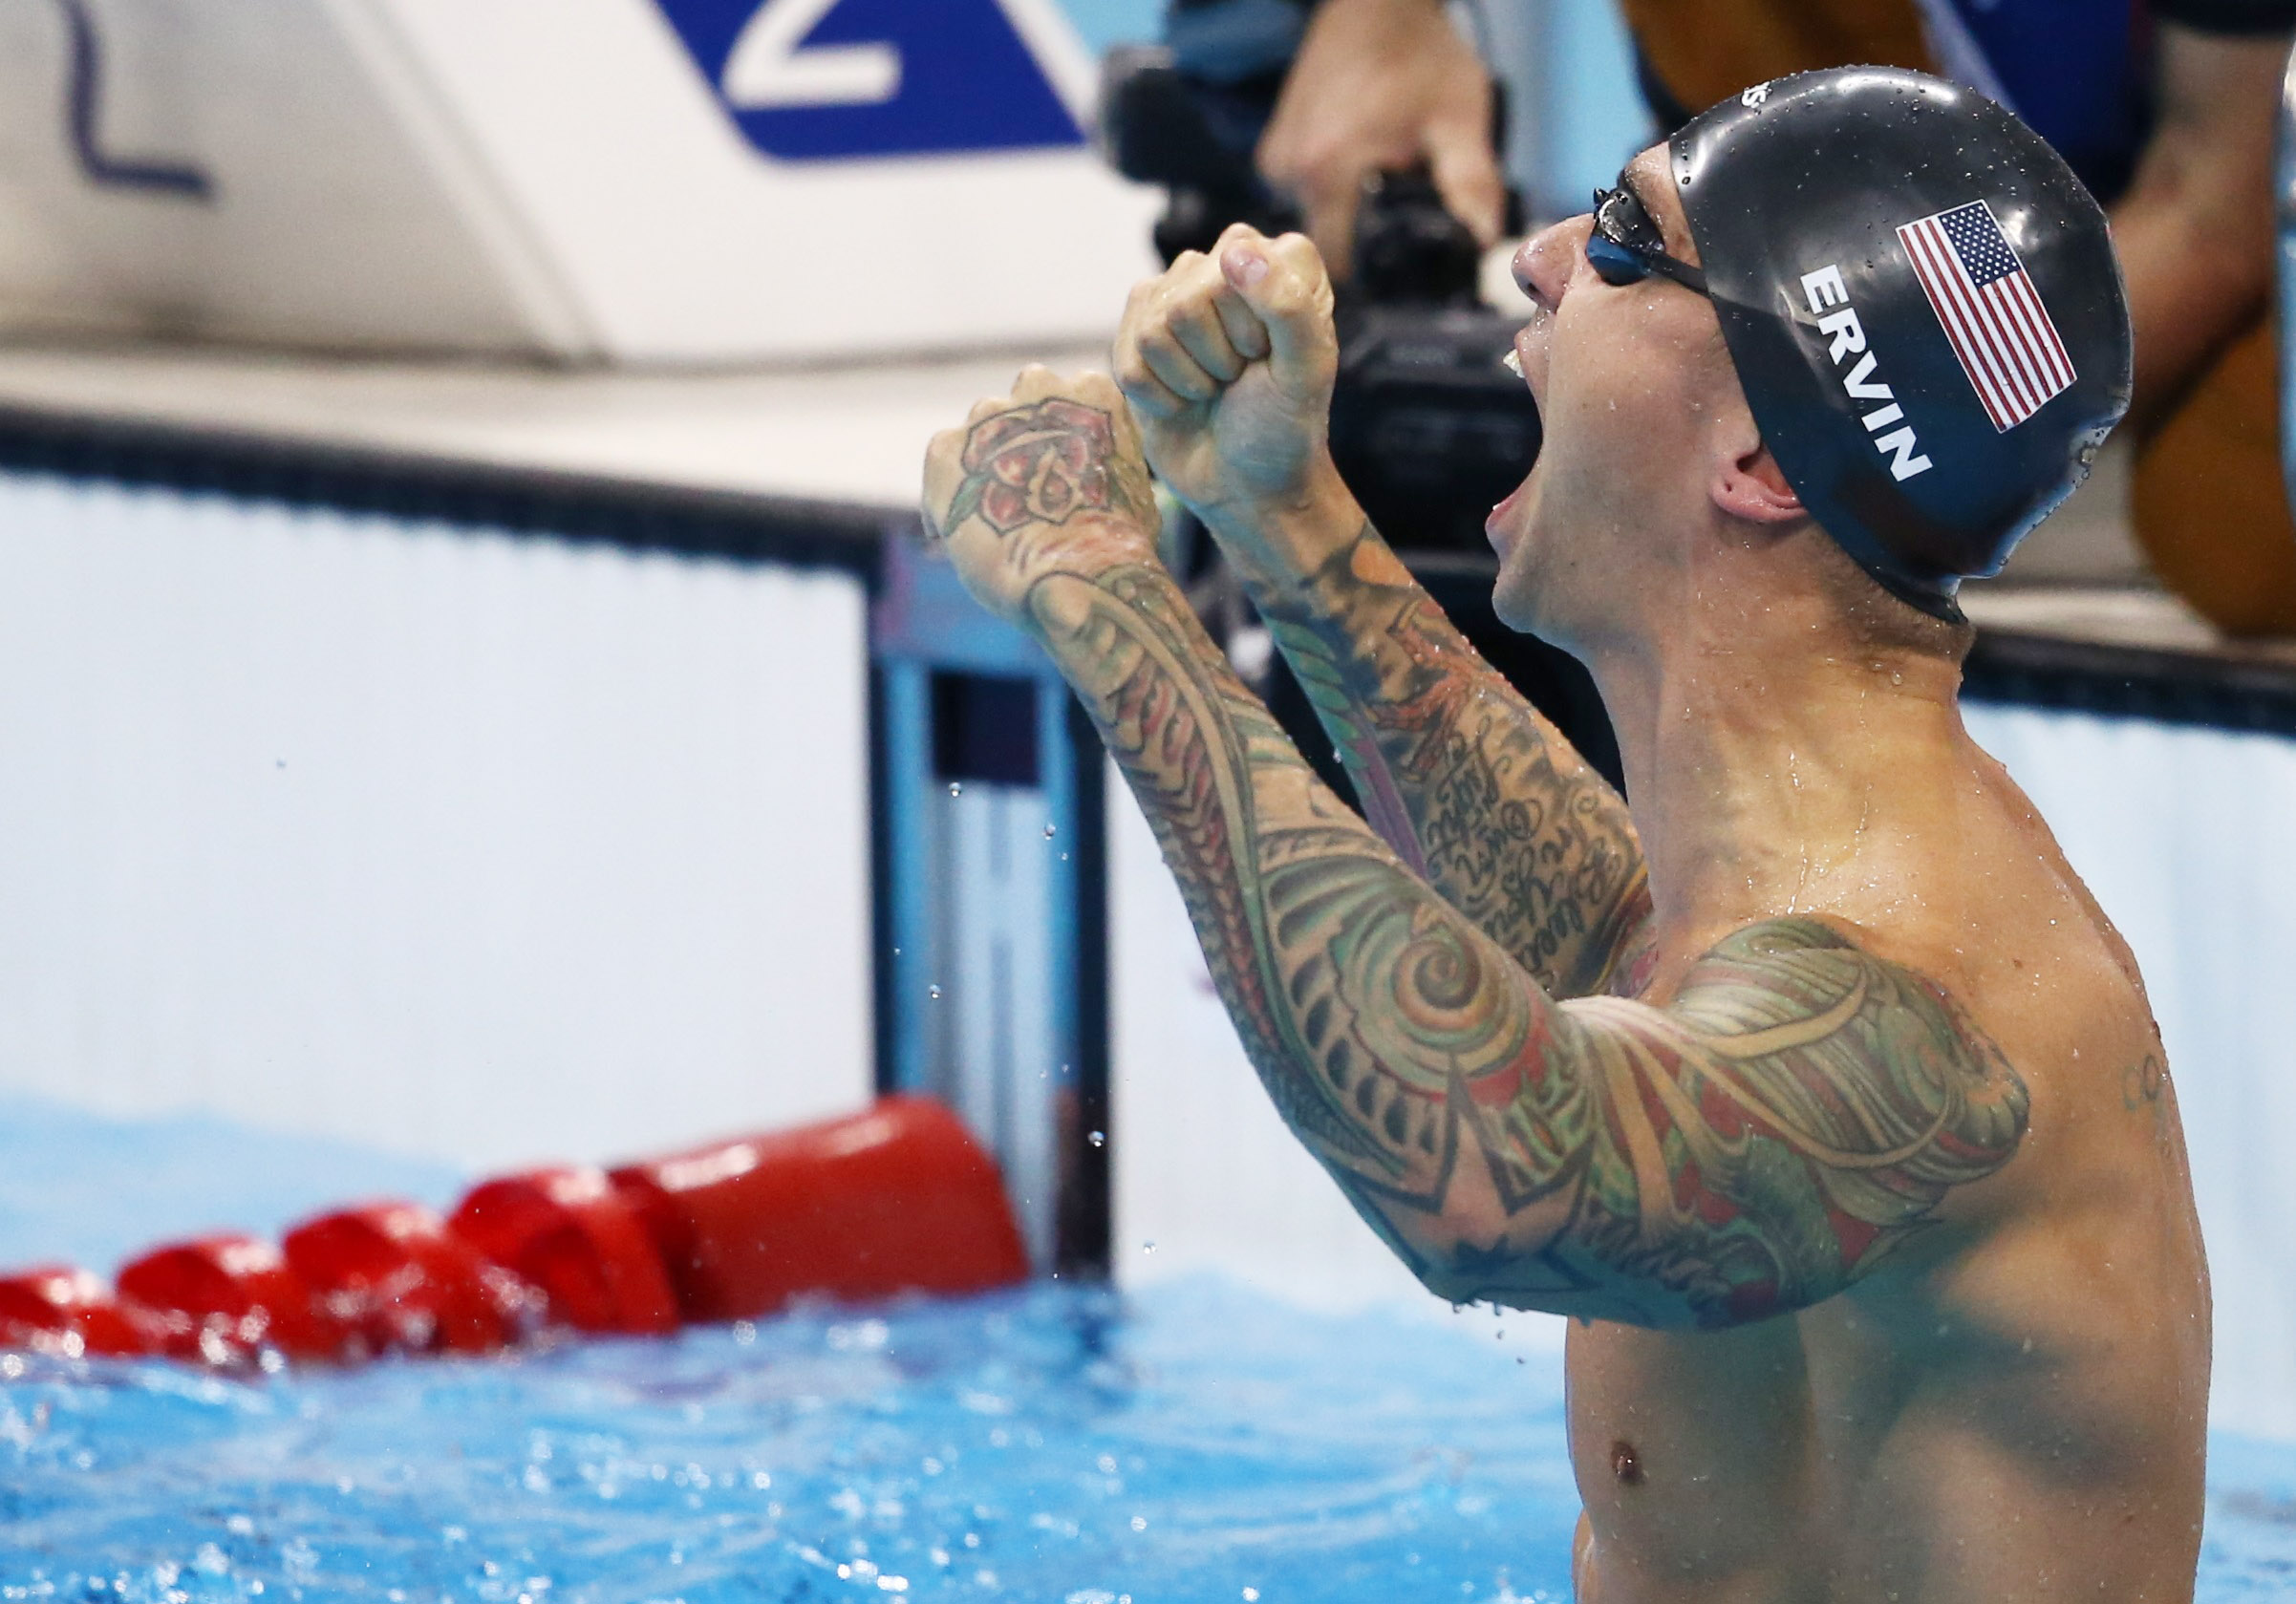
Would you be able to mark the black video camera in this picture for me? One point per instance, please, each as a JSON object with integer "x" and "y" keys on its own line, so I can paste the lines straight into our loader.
{"x": 1428, "y": 428}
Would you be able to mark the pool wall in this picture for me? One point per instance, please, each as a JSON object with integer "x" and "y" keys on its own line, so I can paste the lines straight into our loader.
{"x": 480, "y": 849}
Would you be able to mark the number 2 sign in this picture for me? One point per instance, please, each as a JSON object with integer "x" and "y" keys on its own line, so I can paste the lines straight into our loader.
{"x": 811, "y": 80}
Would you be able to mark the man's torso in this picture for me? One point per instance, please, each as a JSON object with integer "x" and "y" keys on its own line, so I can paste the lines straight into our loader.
{"x": 2015, "y": 1408}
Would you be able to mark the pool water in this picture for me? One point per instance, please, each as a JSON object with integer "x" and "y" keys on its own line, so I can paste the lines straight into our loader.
{"x": 1049, "y": 1445}
{"x": 1197, "y": 1442}
{"x": 1192, "y": 1442}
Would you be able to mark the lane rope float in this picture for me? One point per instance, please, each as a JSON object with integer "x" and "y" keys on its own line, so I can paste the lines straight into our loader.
{"x": 896, "y": 1198}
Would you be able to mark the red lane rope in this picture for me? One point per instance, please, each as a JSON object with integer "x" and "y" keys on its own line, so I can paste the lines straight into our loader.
{"x": 896, "y": 1198}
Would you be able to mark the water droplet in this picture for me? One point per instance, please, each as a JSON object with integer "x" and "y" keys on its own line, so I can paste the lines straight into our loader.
{"x": 955, "y": 789}
{"x": 1148, "y": 1246}
{"x": 1098, "y": 1138}
{"x": 1051, "y": 830}
{"x": 934, "y": 992}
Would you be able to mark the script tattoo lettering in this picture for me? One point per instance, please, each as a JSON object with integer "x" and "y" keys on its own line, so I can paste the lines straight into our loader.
{"x": 1473, "y": 789}
{"x": 1045, "y": 463}
{"x": 1797, "y": 1111}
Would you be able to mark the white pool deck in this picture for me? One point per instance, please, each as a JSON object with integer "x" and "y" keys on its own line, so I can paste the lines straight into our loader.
{"x": 853, "y": 434}
{"x": 2183, "y": 833}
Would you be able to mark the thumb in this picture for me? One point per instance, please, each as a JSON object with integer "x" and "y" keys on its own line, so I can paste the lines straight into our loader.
{"x": 1284, "y": 282}
{"x": 1467, "y": 176}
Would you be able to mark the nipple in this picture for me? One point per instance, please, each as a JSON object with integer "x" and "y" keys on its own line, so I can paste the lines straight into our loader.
{"x": 1625, "y": 1464}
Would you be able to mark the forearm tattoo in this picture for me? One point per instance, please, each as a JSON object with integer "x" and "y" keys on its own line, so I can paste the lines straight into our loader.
{"x": 1462, "y": 776}
{"x": 1799, "y": 1110}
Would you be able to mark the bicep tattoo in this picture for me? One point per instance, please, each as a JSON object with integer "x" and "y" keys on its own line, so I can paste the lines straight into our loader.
{"x": 1472, "y": 788}
{"x": 1797, "y": 1112}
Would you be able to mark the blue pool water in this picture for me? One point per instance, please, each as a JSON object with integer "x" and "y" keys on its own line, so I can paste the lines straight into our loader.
{"x": 1062, "y": 1444}
{"x": 1046, "y": 1445}
{"x": 1051, "y": 1444}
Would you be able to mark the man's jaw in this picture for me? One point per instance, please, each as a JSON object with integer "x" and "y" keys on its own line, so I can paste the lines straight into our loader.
{"x": 1511, "y": 528}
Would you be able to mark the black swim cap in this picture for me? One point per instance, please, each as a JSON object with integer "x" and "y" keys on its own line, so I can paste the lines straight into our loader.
{"x": 1924, "y": 308}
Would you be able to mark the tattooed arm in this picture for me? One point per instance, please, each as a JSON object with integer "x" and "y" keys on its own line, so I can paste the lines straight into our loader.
{"x": 1475, "y": 790}
{"x": 1799, "y": 1110}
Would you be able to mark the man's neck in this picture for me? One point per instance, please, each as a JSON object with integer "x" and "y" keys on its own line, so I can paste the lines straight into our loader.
{"x": 1766, "y": 781}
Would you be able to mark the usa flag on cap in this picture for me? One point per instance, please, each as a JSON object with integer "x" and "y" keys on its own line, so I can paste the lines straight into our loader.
{"x": 1993, "y": 316}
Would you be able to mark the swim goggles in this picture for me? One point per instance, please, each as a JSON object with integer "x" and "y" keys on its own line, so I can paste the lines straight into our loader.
{"x": 1625, "y": 246}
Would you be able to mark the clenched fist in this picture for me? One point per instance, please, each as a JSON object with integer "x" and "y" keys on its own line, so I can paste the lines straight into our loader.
{"x": 1228, "y": 360}
{"x": 1048, "y": 480}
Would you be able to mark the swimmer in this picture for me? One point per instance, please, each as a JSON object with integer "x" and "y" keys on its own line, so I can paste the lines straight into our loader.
{"x": 1811, "y": 1083}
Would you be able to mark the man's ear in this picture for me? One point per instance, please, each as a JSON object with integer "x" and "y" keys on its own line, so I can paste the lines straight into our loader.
{"x": 1751, "y": 486}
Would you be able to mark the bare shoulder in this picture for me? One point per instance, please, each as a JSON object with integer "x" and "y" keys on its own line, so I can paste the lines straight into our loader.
{"x": 2033, "y": 1015}
{"x": 1874, "y": 1061}
{"x": 1796, "y": 1111}
{"x": 1799, "y": 982}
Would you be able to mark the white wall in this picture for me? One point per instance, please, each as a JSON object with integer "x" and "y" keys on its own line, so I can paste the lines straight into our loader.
{"x": 2185, "y": 835}
{"x": 338, "y": 216}
{"x": 479, "y": 848}
{"x": 562, "y": 177}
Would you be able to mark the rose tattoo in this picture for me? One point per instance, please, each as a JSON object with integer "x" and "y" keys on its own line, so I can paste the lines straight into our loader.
{"x": 1038, "y": 465}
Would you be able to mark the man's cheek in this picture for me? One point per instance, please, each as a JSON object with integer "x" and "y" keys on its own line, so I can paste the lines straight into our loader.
{"x": 1575, "y": 362}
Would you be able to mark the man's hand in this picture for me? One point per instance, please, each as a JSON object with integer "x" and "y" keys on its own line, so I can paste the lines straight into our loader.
{"x": 1227, "y": 361}
{"x": 1048, "y": 480}
{"x": 1382, "y": 85}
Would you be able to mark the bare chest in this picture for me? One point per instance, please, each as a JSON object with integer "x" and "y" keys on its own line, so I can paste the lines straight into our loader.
{"x": 1696, "y": 1454}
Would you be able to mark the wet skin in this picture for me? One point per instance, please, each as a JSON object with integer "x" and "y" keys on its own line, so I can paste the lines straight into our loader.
{"x": 1815, "y": 1086}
